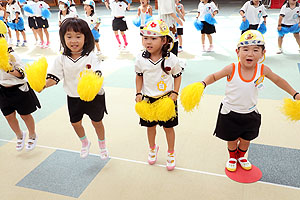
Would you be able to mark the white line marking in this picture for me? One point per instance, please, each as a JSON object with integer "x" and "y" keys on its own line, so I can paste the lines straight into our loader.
{"x": 146, "y": 163}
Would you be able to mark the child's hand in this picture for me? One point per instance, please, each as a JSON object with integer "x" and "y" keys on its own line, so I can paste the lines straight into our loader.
{"x": 279, "y": 28}
{"x": 138, "y": 97}
{"x": 244, "y": 19}
{"x": 173, "y": 96}
{"x": 297, "y": 97}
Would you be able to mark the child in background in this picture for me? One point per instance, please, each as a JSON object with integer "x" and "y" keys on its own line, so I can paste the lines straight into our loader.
{"x": 158, "y": 74}
{"x": 73, "y": 7}
{"x": 143, "y": 10}
{"x": 118, "y": 9}
{"x": 64, "y": 11}
{"x": 207, "y": 7}
{"x": 180, "y": 8}
{"x": 16, "y": 96}
{"x": 92, "y": 20}
{"x": 252, "y": 11}
{"x": 78, "y": 45}
{"x": 3, "y": 18}
{"x": 239, "y": 120}
{"x": 31, "y": 21}
{"x": 15, "y": 16}
{"x": 289, "y": 15}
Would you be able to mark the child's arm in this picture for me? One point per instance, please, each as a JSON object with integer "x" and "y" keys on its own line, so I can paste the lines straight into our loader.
{"x": 280, "y": 82}
{"x": 279, "y": 22}
{"x": 139, "y": 85}
{"x": 50, "y": 82}
{"x": 225, "y": 72}
{"x": 182, "y": 10}
{"x": 150, "y": 10}
{"x": 174, "y": 94}
{"x": 176, "y": 19}
{"x": 180, "y": 14}
{"x": 139, "y": 11}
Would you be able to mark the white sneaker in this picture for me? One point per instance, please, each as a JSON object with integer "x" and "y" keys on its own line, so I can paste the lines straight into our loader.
{"x": 85, "y": 150}
{"x": 11, "y": 41}
{"x": 203, "y": 48}
{"x": 152, "y": 156}
{"x": 21, "y": 142}
{"x": 104, "y": 154}
{"x": 179, "y": 49}
{"x": 31, "y": 143}
{"x": 171, "y": 161}
{"x": 279, "y": 51}
{"x": 18, "y": 43}
{"x": 98, "y": 53}
{"x": 210, "y": 48}
{"x": 245, "y": 164}
{"x": 231, "y": 164}
{"x": 24, "y": 44}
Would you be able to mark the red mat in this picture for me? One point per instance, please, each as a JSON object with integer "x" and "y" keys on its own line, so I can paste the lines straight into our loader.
{"x": 245, "y": 176}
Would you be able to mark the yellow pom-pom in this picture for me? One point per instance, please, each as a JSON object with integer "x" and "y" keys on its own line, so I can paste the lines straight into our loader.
{"x": 191, "y": 95}
{"x": 36, "y": 74}
{"x": 164, "y": 109}
{"x": 89, "y": 85}
{"x": 4, "y": 56}
{"x": 145, "y": 111}
{"x": 291, "y": 109}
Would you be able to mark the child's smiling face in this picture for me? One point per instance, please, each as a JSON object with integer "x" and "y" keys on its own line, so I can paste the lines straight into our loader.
{"x": 250, "y": 55}
{"x": 74, "y": 41}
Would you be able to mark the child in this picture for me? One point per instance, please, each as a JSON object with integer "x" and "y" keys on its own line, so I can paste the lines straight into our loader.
{"x": 207, "y": 7}
{"x": 239, "y": 120}
{"x": 78, "y": 44}
{"x": 64, "y": 11}
{"x": 3, "y": 18}
{"x": 167, "y": 13}
{"x": 17, "y": 96}
{"x": 41, "y": 22}
{"x": 180, "y": 7}
{"x": 92, "y": 20}
{"x": 158, "y": 74}
{"x": 118, "y": 9}
{"x": 143, "y": 10}
{"x": 15, "y": 15}
{"x": 289, "y": 15}
{"x": 31, "y": 20}
{"x": 253, "y": 10}
{"x": 73, "y": 7}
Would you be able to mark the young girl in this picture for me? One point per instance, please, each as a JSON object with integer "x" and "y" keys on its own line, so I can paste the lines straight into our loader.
{"x": 207, "y": 7}
{"x": 64, "y": 11}
{"x": 15, "y": 16}
{"x": 158, "y": 74}
{"x": 78, "y": 44}
{"x": 143, "y": 10}
{"x": 180, "y": 8}
{"x": 73, "y": 7}
{"x": 289, "y": 15}
{"x": 252, "y": 11}
{"x": 17, "y": 96}
{"x": 92, "y": 20}
{"x": 31, "y": 20}
{"x": 239, "y": 120}
{"x": 118, "y": 9}
{"x": 4, "y": 19}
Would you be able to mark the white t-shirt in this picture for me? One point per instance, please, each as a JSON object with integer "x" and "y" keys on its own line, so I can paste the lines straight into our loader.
{"x": 208, "y": 8}
{"x": 165, "y": 9}
{"x": 37, "y": 7}
{"x": 61, "y": 17}
{"x": 66, "y": 68}
{"x": 143, "y": 14}
{"x": 12, "y": 10}
{"x": 290, "y": 16}
{"x": 2, "y": 13}
{"x": 241, "y": 95}
{"x": 155, "y": 81}
{"x": 118, "y": 9}
{"x": 8, "y": 80}
{"x": 254, "y": 14}
{"x": 92, "y": 20}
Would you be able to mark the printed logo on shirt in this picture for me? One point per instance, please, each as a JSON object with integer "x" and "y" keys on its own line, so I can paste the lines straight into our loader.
{"x": 295, "y": 16}
{"x": 259, "y": 82}
{"x": 161, "y": 86}
{"x": 208, "y": 9}
{"x": 259, "y": 14}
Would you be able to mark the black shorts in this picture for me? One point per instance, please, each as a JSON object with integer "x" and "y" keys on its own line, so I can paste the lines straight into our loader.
{"x": 13, "y": 99}
{"x": 168, "y": 124}
{"x": 208, "y": 28}
{"x": 94, "y": 109}
{"x": 32, "y": 23}
{"x": 235, "y": 125}
{"x": 41, "y": 22}
{"x": 119, "y": 24}
{"x": 251, "y": 27}
{"x": 179, "y": 31}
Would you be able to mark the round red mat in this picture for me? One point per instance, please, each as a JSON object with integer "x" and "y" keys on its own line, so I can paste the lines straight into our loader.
{"x": 245, "y": 176}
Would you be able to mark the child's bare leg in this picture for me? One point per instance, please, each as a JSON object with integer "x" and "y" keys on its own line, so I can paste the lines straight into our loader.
{"x": 280, "y": 40}
{"x": 170, "y": 135}
{"x": 14, "y": 124}
{"x": 203, "y": 39}
{"x": 209, "y": 39}
{"x": 151, "y": 131}
{"x": 77, "y": 126}
{"x": 99, "y": 128}
{"x": 47, "y": 34}
{"x": 97, "y": 46}
{"x": 232, "y": 145}
{"x": 244, "y": 144}
{"x": 29, "y": 121}
{"x": 297, "y": 37}
{"x": 23, "y": 35}
{"x": 180, "y": 40}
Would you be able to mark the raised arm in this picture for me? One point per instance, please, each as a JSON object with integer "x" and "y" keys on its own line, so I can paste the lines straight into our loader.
{"x": 225, "y": 72}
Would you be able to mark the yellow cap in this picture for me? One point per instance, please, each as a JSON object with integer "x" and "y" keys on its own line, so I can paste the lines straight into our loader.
{"x": 3, "y": 29}
{"x": 251, "y": 37}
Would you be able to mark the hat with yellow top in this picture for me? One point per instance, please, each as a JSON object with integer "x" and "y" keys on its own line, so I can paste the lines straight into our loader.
{"x": 251, "y": 37}
{"x": 157, "y": 28}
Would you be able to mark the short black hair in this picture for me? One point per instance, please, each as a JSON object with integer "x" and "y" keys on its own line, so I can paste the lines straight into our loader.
{"x": 81, "y": 26}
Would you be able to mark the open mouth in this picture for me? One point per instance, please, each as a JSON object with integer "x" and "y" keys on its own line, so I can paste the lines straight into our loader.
{"x": 249, "y": 60}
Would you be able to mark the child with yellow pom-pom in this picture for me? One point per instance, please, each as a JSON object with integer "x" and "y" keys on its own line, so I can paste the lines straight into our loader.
{"x": 158, "y": 79}
{"x": 239, "y": 120}
{"x": 77, "y": 65}
{"x": 16, "y": 95}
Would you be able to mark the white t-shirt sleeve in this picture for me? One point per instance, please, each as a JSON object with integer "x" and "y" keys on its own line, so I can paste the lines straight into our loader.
{"x": 214, "y": 7}
{"x": 176, "y": 67}
{"x": 45, "y": 5}
{"x": 57, "y": 68}
{"x": 245, "y": 7}
{"x": 282, "y": 10}
{"x": 264, "y": 12}
{"x": 96, "y": 63}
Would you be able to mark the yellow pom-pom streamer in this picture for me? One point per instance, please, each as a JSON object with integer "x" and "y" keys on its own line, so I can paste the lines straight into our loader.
{"x": 145, "y": 111}
{"x": 191, "y": 95}
{"x": 164, "y": 109}
{"x": 291, "y": 109}
{"x": 89, "y": 85}
{"x": 36, "y": 74}
{"x": 4, "y": 56}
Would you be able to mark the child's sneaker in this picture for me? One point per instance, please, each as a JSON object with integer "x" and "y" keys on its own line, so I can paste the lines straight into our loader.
{"x": 210, "y": 48}
{"x": 21, "y": 142}
{"x": 119, "y": 46}
{"x": 85, "y": 150}
{"x": 31, "y": 143}
{"x": 98, "y": 53}
{"x": 11, "y": 41}
{"x": 18, "y": 43}
{"x": 104, "y": 154}
{"x": 179, "y": 49}
{"x": 24, "y": 43}
{"x": 231, "y": 164}
{"x": 203, "y": 48}
{"x": 245, "y": 164}
{"x": 171, "y": 161}
{"x": 280, "y": 51}
{"x": 152, "y": 156}
{"x": 46, "y": 45}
